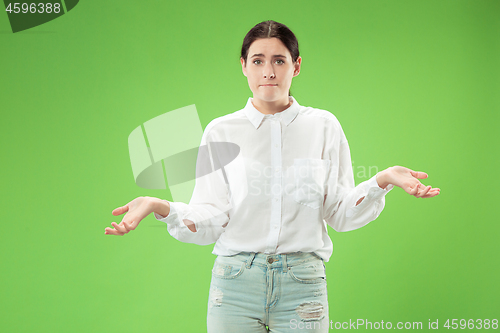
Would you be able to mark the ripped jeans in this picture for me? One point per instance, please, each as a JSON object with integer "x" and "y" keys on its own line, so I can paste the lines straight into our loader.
{"x": 255, "y": 292}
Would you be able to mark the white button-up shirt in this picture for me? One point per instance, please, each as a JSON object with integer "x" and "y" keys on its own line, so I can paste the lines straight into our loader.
{"x": 274, "y": 185}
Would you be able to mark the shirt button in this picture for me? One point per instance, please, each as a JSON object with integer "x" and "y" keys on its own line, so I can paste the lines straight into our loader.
{"x": 276, "y": 145}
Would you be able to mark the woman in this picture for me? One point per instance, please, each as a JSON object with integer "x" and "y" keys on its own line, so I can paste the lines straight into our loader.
{"x": 267, "y": 209}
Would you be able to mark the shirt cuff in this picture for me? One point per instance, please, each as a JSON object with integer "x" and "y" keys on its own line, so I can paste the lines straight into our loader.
{"x": 374, "y": 194}
{"x": 374, "y": 190}
{"x": 172, "y": 217}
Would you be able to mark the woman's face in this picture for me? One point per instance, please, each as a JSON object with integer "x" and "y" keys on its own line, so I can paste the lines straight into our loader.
{"x": 269, "y": 69}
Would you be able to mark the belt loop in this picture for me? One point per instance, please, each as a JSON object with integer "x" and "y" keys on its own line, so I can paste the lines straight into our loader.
{"x": 284, "y": 255}
{"x": 250, "y": 260}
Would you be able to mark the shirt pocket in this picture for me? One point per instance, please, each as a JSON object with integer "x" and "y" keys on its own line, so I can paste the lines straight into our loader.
{"x": 310, "y": 177}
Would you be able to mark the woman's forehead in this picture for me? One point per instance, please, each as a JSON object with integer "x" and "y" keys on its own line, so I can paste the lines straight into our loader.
{"x": 268, "y": 47}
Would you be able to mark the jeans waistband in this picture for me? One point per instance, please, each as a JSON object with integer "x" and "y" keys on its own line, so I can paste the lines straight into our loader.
{"x": 283, "y": 260}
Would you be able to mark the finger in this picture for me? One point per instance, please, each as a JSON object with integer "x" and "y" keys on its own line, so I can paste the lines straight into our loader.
{"x": 431, "y": 193}
{"x": 120, "y": 210}
{"x": 133, "y": 224}
{"x": 419, "y": 189}
{"x": 125, "y": 226}
{"x": 119, "y": 227}
{"x": 423, "y": 192}
{"x": 412, "y": 189}
{"x": 111, "y": 231}
{"x": 128, "y": 225}
{"x": 419, "y": 174}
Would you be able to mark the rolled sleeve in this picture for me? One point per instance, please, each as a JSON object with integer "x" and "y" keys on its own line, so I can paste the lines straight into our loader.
{"x": 172, "y": 218}
{"x": 373, "y": 202}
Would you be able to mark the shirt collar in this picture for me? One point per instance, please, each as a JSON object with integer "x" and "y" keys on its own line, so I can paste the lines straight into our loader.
{"x": 256, "y": 117}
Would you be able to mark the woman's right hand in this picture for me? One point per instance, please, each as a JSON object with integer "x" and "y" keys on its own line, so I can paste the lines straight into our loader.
{"x": 135, "y": 210}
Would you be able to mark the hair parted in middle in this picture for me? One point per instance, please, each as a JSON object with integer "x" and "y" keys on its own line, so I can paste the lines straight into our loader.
{"x": 270, "y": 29}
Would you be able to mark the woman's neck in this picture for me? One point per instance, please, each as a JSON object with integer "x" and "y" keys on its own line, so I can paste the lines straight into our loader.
{"x": 271, "y": 107}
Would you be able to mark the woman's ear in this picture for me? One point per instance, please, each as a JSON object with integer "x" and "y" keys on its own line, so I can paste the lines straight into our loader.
{"x": 296, "y": 69}
{"x": 243, "y": 66}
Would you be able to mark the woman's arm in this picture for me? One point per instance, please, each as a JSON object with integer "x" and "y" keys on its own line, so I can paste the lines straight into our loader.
{"x": 161, "y": 207}
{"x": 136, "y": 210}
{"x": 203, "y": 220}
{"x": 349, "y": 207}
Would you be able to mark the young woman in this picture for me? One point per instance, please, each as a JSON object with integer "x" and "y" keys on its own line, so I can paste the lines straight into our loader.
{"x": 267, "y": 210}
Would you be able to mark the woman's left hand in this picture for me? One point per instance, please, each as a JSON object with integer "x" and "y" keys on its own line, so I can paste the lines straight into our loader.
{"x": 408, "y": 180}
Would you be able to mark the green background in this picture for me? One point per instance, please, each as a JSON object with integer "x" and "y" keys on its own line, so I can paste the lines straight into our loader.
{"x": 413, "y": 83}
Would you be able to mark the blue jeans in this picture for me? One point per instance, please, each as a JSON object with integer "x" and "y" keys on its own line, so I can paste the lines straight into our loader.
{"x": 255, "y": 292}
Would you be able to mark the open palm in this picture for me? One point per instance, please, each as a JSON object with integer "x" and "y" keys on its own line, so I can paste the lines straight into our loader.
{"x": 135, "y": 210}
{"x": 409, "y": 181}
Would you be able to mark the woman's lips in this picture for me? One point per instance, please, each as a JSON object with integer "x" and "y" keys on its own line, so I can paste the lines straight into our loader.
{"x": 269, "y": 85}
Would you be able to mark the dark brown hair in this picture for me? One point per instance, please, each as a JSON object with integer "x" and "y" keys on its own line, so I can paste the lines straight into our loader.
{"x": 270, "y": 29}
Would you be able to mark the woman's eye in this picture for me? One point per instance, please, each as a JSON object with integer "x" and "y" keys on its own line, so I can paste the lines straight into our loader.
{"x": 257, "y": 62}
{"x": 280, "y": 62}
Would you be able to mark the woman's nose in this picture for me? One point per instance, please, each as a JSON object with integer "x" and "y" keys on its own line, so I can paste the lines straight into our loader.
{"x": 269, "y": 72}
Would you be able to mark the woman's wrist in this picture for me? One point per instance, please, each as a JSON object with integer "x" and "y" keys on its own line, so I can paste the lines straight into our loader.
{"x": 160, "y": 207}
{"x": 383, "y": 178}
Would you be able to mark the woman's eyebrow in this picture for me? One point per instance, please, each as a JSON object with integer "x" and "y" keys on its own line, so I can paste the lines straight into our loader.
{"x": 262, "y": 55}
